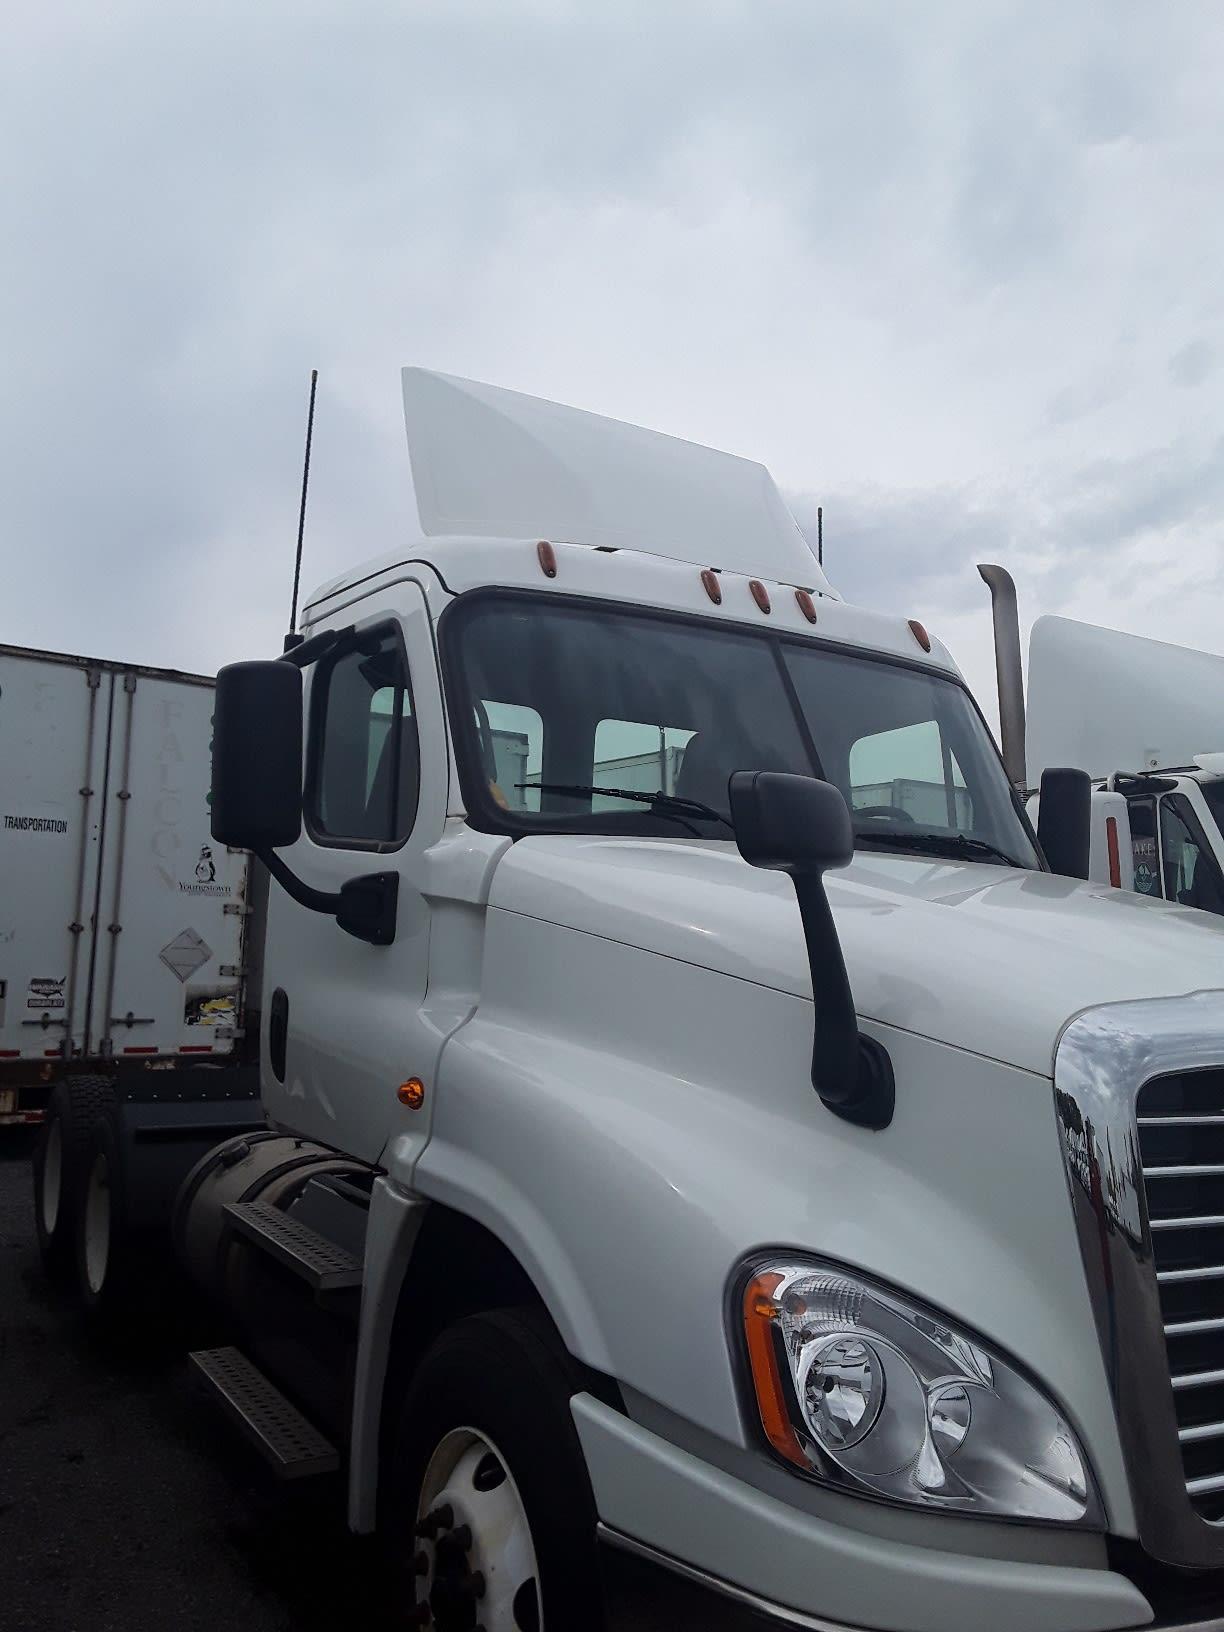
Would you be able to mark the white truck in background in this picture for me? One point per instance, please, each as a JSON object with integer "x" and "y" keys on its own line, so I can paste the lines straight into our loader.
{"x": 1145, "y": 720}
{"x": 715, "y": 1175}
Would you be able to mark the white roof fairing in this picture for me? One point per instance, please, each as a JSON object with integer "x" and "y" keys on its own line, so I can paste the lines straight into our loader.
{"x": 492, "y": 463}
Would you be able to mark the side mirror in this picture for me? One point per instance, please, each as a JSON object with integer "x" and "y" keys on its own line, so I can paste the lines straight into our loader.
{"x": 1064, "y": 821}
{"x": 790, "y": 824}
{"x": 257, "y": 755}
{"x": 257, "y": 793}
{"x": 801, "y": 826}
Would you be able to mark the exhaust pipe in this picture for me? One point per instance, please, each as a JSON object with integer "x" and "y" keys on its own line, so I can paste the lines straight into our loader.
{"x": 1010, "y": 672}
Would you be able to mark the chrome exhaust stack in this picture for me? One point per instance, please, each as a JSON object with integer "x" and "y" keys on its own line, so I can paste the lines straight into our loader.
{"x": 1010, "y": 672}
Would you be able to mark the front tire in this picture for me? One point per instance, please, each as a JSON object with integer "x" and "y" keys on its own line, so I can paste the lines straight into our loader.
{"x": 491, "y": 1521}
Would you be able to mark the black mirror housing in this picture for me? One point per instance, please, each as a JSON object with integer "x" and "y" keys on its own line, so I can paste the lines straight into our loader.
{"x": 1064, "y": 821}
{"x": 801, "y": 826}
{"x": 257, "y": 755}
{"x": 790, "y": 823}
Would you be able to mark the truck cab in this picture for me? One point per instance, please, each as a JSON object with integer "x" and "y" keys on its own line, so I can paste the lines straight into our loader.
{"x": 1174, "y": 817}
{"x": 715, "y": 1174}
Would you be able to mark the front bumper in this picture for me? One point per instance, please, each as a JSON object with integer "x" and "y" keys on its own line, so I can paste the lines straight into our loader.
{"x": 777, "y": 1565}
{"x": 643, "y": 1593}
{"x": 648, "y": 1593}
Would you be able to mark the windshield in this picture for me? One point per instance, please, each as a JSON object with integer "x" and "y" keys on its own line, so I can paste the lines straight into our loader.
{"x": 577, "y": 718}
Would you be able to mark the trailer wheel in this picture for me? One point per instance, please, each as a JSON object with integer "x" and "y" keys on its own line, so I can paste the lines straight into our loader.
{"x": 490, "y": 1519}
{"x": 105, "y": 1252}
{"x": 75, "y": 1104}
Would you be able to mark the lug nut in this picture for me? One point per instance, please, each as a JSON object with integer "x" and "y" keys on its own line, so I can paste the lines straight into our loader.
{"x": 441, "y": 1518}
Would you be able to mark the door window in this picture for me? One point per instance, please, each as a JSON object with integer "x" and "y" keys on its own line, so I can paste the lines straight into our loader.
{"x": 1143, "y": 845}
{"x": 1190, "y": 872}
{"x": 364, "y": 759}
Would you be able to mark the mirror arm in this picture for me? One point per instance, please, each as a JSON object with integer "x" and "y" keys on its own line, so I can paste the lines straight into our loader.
{"x": 365, "y": 907}
{"x": 315, "y": 900}
{"x": 852, "y": 1074}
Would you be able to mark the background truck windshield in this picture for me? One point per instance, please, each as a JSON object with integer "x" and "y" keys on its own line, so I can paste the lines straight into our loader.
{"x": 568, "y": 709}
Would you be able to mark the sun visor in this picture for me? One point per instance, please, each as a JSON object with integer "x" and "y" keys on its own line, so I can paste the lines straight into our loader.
{"x": 1104, "y": 701}
{"x": 490, "y": 463}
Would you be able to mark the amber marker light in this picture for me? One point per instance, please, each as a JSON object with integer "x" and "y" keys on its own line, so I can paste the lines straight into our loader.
{"x": 806, "y": 605}
{"x": 760, "y": 1332}
{"x": 759, "y": 593}
{"x": 920, "y": 635}
{"x": 411, "y": 1093}
{"x": 547, "y": 557}
{"x": 712, "y": 586}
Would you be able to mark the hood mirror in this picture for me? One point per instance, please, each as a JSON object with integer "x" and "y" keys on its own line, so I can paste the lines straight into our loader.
{"x": 801, "y": 826}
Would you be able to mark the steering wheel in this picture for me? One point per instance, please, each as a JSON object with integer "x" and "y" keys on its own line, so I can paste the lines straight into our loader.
{"x": 881, "y": 813}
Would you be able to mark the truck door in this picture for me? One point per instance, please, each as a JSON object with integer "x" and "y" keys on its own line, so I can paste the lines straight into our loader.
{"x": 1191, "y": 871}
{"x": 349, "y": 1029}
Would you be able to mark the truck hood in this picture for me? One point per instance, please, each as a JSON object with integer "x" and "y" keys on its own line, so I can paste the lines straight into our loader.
{"x": 991, "y": 959}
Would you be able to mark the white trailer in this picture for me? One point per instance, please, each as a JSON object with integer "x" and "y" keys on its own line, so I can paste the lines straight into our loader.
{"x": 636, "y": 1207}
{"x": 1145, "y": 720}
{"x": 123, "y": 926}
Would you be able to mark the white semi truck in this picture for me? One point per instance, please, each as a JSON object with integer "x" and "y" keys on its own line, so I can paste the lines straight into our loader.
{"x": 1145, "y": 719}
{"x": 753, "y": 1194}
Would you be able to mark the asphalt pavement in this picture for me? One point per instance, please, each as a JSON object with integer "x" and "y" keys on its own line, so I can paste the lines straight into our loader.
{"x": 125, "y": 1502}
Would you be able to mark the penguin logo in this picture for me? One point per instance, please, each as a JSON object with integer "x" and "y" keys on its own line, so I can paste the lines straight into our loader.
{"x": 205, "y": 868}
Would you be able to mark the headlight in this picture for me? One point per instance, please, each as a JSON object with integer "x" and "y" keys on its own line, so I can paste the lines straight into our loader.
{"x": 866, "y": 1391}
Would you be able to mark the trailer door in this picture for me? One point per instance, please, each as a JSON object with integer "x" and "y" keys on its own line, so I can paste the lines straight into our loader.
{"x": 173, "y": 903}
{"x": 54, "y": 722}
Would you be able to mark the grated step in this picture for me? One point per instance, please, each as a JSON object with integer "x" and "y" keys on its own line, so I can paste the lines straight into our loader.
{"x": 327, "y": 1267}
{"x": 292, "y": 1444}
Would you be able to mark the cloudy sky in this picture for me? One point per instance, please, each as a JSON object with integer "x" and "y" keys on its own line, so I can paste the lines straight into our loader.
{"x": 952, "y": 270}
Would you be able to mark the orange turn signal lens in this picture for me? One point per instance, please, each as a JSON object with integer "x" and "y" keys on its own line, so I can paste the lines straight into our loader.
{"x": 761, "y": 1334}
{"x": 411, "y": 1093}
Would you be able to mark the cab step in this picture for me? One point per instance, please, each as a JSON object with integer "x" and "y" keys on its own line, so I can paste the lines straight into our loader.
{"x": 288, "y": 1441}
{"x": 320, "y": 1262}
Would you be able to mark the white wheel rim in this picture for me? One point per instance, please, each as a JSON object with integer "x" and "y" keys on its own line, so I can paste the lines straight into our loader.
{"x": 97, "y": 1223}
{"x": 52, "y": 1176}
{"x": 468, "y": 1475}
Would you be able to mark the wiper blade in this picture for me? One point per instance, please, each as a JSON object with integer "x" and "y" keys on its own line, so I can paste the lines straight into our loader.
{"x": 935, "y": 844}
{"x": 665, "y": 804}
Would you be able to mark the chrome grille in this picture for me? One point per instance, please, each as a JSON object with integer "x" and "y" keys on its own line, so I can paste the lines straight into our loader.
{"x": 1181, "y": 1148}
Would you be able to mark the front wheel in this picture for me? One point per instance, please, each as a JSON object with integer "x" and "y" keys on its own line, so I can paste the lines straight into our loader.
{"x": 491, "y": 1522}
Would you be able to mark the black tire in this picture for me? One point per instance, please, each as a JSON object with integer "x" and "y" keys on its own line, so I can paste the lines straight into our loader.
{"x": 504, "y": 1376}
{"x": 107, "y": 1266}
{"x": 75, "y": 1105}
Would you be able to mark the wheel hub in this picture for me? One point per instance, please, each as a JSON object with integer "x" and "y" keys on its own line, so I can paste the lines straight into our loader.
{"x": 475, "y": 1567}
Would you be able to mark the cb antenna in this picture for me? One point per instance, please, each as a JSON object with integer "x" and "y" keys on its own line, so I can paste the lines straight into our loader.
{"x": 819, "y": 530}
{"x": 293, "y": 638}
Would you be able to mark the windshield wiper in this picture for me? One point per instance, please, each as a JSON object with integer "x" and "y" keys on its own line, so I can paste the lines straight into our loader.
{"x": 935, "y": 844}
{"x": 663, "y": 804}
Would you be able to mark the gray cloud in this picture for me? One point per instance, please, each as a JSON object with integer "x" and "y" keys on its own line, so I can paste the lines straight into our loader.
{"x": 949, "y": 271}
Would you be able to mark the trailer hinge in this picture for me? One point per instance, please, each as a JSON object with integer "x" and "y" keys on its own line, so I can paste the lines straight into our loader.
{"x": 114, "y": 929}
{"x": 231, "y": 971}
{"x": 236, "y": 909}
{"x": 124, "y": 793}
{"x": 105, "y": 1049}
{"x": 129, "y": 682}
{"x": 93, "y": 678}
{"x": 76, "y": 929}
{"x": 85, "y": 793}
